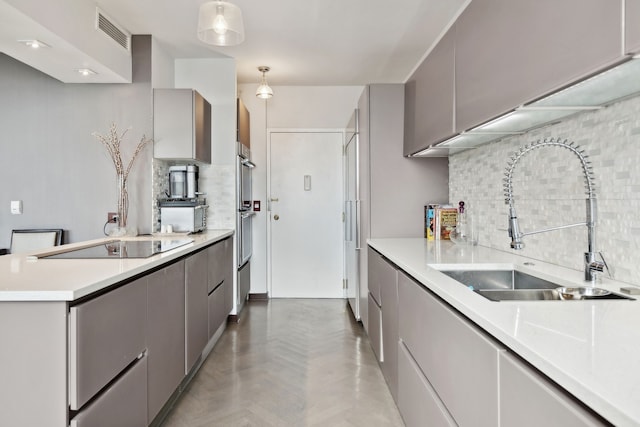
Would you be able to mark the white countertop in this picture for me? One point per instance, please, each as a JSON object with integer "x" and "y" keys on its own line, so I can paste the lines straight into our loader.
{"x": 591, "y": 348}
{"x": 27, "y": 278}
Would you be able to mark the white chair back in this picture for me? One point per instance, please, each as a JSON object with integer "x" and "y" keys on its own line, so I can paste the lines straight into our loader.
{"x": 23, "y": 241}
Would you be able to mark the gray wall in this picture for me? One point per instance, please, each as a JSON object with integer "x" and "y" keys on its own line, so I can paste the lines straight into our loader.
{"x": 50, "y": 161}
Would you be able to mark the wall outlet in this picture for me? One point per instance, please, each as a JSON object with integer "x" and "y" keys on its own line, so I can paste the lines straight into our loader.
{"x": 112, "y": 217}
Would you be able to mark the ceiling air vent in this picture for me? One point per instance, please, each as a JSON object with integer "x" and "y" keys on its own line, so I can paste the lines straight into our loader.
{"x": 112, "y": 30}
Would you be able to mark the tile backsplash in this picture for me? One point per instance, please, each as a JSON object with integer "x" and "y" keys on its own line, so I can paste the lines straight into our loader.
{"x": 217, "y": 181}
{"x": 549, "y": 189}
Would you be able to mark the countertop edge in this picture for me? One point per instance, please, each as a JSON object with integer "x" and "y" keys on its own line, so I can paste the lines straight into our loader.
{"x": 598, "y": 400}
{"x": 208, "y": 238}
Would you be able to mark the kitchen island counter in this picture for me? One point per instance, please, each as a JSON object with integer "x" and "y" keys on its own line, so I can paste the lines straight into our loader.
{"x": 590, "y": 348}
{"x": 28, "y": 277}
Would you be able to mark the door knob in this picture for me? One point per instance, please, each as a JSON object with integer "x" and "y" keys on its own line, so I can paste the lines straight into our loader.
{"x": 276, "y": 217}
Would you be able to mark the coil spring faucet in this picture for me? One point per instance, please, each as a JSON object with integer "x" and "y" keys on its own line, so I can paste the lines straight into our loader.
{"x": 591, "y": 264}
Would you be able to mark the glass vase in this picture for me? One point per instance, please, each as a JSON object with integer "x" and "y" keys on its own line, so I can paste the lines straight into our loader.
{"x": 123, "y": 228}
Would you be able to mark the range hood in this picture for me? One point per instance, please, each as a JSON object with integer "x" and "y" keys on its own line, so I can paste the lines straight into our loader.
{"x": 593, "y": 93}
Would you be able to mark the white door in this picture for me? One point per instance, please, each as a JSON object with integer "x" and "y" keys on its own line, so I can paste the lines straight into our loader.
{"x": 305, "y": 182}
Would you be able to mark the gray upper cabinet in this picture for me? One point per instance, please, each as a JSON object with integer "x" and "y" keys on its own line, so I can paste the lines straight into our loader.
{"x": 181, "y": 125}
{"x": 243, "y": 123}
{"x": 631, "y": 27}
{"x": 508, "y": 53}
{"x": 429, "y": 98}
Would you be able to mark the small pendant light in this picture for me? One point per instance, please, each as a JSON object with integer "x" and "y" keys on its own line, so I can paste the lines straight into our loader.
{"x": 220, "y": 24}
{"x": 264, "y": 91}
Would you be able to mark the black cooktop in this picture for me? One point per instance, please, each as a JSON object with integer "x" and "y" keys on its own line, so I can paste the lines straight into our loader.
{"x": 119, "y": 249}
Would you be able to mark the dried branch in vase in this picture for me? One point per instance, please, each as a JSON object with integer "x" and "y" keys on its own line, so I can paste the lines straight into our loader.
{"x": 113, "y": 144}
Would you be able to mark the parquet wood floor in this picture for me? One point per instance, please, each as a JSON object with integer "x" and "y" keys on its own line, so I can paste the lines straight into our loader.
{"x": 289, "y": 362}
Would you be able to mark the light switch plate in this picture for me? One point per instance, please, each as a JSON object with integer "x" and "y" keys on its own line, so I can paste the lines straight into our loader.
{"x": 16, "y": 207}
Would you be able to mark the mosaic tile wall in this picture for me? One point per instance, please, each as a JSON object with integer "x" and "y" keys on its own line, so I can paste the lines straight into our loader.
{"x": 549, "y": 189}
{"x": 218, "y": 181}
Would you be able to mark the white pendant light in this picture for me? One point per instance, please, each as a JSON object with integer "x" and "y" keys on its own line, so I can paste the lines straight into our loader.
{"x": 264, "y": 91}
{"x": 220, "y": 24}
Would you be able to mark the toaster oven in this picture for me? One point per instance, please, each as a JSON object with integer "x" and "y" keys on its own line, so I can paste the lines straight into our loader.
{"x": 184, "y": 218}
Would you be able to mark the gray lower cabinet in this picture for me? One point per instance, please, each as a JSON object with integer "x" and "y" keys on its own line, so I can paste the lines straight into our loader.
{"x": 375, "y": 328}
{"x": 217, "y": 313}
{"x": 458, "y": 360}
{"x": 527, "y": 398}
{"x": 196, "y": 307}
{"x": 124, "y": 403}
{"x": 106, "y": 334}
{"x": 631, "y": 27}
{"x": 383, "y": 278}
{"x": 165, "y": 335}
{"x": 220, "y": 279}
{"x": 417, "y": 401}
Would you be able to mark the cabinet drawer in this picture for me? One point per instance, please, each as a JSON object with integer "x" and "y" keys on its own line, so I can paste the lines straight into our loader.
{"x": 106, "y": 334}
{"x": 459, "y": 361}
{"x": 217, "y": 312}
{"x": 375, "y": 328}
{"x": 529, "y": 399}
{"x": 124, "y": 403}
{"x": 418, "y": 403}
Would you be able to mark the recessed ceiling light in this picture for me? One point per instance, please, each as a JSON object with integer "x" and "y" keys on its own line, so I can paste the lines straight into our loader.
{"x": 86, "y": 71}
{"x": 33, "y": 43}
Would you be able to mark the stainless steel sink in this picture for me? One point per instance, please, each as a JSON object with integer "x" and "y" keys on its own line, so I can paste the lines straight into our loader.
{"x": 512, "y": 285}
{"x": 499, "y": 279}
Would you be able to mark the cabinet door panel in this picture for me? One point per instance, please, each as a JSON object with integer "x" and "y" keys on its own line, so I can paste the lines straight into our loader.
{"x": 389, "y": 301}
{"x": 632, "y": 29}
{"x": 375, "y": 328}
{"x": 529, "y": 399}
{"x": 216, "y": 265}
{"x": 165, "y": 339}
{"x": 429, "y": 98}
{"x": 217, "y": 312}
{"x": 459, "y": 361}
{"x": 418, "y": 403}
{"x": 124, "y": 403}
{"x": 379, "y": 273}
{"x": 107, "y": 333}
{"x": 197, "y": 310}
{"x": 508, "y": 53}
{"x": 229, "y": 272}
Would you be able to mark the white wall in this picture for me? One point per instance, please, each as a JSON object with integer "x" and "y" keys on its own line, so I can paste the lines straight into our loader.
{"x": 292, "y": 107}
{"x": 549, "y": 189}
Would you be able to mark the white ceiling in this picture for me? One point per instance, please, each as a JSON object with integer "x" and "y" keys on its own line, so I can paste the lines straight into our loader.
{"x": 305, "y": 42}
